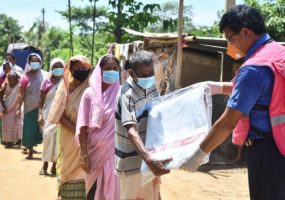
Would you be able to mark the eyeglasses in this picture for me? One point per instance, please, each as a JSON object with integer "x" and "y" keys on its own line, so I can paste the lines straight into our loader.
{"x": 229, "y": 39}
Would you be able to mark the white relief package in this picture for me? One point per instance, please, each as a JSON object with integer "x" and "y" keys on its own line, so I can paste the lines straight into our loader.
{"x": 177, "y": 123}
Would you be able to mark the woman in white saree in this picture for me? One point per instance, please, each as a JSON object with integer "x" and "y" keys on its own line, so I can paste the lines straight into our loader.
{"x": 48, "y": 89}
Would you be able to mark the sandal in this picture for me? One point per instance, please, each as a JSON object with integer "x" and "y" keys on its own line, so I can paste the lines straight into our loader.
{"x": 34, "y": 151}
{"x": 43, "y": 172}
{"x": 29, "y": 157}
{"x": 25, "y": 151}
{"x": 53, "y": 171}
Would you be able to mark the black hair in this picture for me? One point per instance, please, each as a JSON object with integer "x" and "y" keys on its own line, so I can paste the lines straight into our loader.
{"x": 13, "y": 74}
{"x": 30, "y": 57}
{"x": 73, "y": 62}
{"x": 10, "y": 54}
{"x": 127, "y": 65}
{"x": 106, "y": 58}
{"x": 243, "y": 16}
{"x": 140, "y": 57}
{"x": 6, "y": 63}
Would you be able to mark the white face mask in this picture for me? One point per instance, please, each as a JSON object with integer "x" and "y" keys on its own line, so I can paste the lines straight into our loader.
{"x": 110, "y": 77}
{"x": 146, "y": 83}
{"x": 35, "y": 65}
{"x": 58, "y": 71}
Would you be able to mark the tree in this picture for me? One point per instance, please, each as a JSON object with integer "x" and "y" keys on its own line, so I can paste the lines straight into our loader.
{"x": 85, "y": 19}
{"x": 35, "y": 34}
{"x": 130, "y": 14}
{"x": 124, "y": 13}
{"x": 109, "y": 23}
{"x": 56, "y": 42}
{"x": 10, "y": 32}
{"x": 168, "y": 17}
{"x": 82, "y": 17}
{"x": 209, "y": 31}
{"x": 274, "y": 16}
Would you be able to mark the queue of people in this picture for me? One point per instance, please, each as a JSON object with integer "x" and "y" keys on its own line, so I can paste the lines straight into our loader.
{"x": 93, "y": 130}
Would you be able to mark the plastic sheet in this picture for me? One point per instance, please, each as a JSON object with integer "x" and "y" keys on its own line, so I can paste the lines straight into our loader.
{"x": 177, "y": 123}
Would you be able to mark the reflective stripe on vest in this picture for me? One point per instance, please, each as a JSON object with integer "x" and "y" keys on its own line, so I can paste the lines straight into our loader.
{"x": 278, "y": 120}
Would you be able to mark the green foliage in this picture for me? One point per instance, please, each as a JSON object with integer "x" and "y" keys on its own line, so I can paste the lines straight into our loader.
{"x": 130, "y": 14}
{"x": 55, "y": 43}
{"x": 82, "y": 17}
{"x": 273, "y": 12}
{"x": 209, "y": 31}
{"x": 109, "y": 24}
{"x": 168, "y": 17}
{"x": 10, "y": 32}
{"x": 34, "y": 36}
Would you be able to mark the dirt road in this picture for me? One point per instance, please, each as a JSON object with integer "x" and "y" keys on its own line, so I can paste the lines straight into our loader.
{"x": 19, "y": 179}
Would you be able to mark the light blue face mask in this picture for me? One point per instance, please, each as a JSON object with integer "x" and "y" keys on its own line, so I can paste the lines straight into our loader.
{"x": 35, "y": 65}
{"x": 146, "y": 83}
{"x": 58, "y": 71}
{"x": 110, "y": 77}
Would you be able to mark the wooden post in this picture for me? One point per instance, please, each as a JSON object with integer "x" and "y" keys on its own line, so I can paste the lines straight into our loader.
{"x": 179, "y": 47}
{"x": 229, "y": 4}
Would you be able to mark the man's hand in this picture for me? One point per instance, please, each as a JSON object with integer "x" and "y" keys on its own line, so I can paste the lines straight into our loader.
{"x": 158, "y": 166}
{"x": 18, "y": 113}
{"x": 85, "y": 163}
{"x": 40, "y": 121}
{"x": 5, "y": 111}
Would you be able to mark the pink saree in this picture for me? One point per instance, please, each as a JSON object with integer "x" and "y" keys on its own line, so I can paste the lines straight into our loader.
{"x": 97, "y": 112}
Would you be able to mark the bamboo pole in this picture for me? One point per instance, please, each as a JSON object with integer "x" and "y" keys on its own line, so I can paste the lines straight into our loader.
{"x": 70, "y": 27}
{"x": 179, "y": 47}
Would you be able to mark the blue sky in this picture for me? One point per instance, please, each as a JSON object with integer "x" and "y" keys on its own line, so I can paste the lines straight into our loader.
{"x": 26, "y": 11}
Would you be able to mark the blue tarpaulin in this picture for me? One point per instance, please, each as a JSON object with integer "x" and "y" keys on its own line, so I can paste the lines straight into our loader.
{"x": 21, "y": 55}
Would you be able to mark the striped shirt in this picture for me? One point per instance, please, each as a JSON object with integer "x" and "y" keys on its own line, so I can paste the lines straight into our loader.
{"x": 133, "y": 104}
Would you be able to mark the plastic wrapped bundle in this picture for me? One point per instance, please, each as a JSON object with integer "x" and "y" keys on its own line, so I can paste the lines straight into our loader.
{"x": 177, "y": 123}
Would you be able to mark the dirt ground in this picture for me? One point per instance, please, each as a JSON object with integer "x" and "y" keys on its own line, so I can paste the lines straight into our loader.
{"x": 19, "y": 179}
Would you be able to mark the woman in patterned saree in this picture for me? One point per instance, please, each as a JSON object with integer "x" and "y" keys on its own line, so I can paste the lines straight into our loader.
{"x": 64, "y": 111}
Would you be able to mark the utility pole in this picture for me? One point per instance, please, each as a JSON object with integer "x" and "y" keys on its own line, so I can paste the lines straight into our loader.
{"x": 70, "y": 27}
{"x": 43, "y": 11}
{"x": 42, "y": 30}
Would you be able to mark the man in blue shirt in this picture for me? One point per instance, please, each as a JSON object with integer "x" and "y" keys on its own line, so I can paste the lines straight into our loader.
{"x": 245, "y": 29}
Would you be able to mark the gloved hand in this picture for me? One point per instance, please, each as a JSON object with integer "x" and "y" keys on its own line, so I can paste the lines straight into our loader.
{"x": 194, "y": 162}
{"x": 216, "y": 87}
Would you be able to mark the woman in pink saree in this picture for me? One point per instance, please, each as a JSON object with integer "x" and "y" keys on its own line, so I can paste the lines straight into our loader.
{"x": 96, "y": 130}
